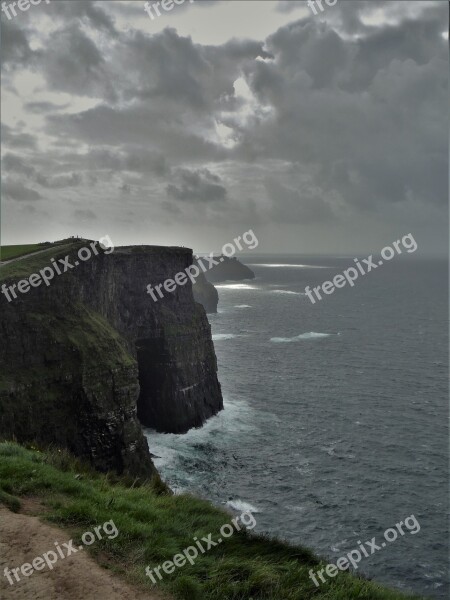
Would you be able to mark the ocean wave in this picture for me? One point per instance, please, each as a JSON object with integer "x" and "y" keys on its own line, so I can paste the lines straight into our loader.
{"x": 241, "y": 506}
{"x": 242, "y": 306}
{"x": 177, "y": 453}
{"x": 338, "y": 546}
{"x": 235, "y": 286}
{"x": 287, "y": 292}
{"x": 311, "y": 335}
{"x": 287, "y": 266}
{"x": 223, "y": 336}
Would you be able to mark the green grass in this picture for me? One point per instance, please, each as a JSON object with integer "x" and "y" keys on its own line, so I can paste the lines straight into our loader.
{"x": 154, "y": 525}
{"x": 9, "y": 252}
{"x": 32, "y": 264}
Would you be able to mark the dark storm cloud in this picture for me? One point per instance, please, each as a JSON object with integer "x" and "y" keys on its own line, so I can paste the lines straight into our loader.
{"x": 355, "y": 100}
{"x": 170, "y": 70}
{"x": 12, "y": 163}
{"x": 16, "y": 164}
{"x": 136, "y": 125}
{"x": 16, "y": 190}
{"x": 15, "y": 47}
{"x": 86, "y": 12}
{"x": 197, "y": 186}
{"x": 366, "y": 112}
{"x": 74, "y": 64}
{"x": 13, "y": 139}
{"x": 43, "y": 107}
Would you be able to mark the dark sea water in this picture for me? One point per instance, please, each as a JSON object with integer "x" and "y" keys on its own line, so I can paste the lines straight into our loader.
{"x": 336, "y": 429}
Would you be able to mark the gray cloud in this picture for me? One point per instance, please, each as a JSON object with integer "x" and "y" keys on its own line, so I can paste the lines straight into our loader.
{"x": 84, "y": 214}
{"x": 13, "y": 163}
{"x": 13, "y": 139}
{"x": 289, "y": 204}
{"x": 84, "y": 13}
{"x": 16, "y": 190}
{"x": 363, "y": 114}
{"x": 328, "y": 123}
{"x": 73, "y": 63}
{"x": 15, "y": 47}
{"x": 43, "y": 107}
{"x": 59, "y": 181}
{"x": 197, "y": 186}
{"x": 16, "y": 164}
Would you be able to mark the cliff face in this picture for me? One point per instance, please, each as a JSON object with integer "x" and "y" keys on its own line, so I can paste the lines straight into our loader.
{"x": 82, "y": 358}
{"x": 206, "y": 294}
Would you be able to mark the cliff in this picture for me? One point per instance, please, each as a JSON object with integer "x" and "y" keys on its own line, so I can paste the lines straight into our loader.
{"x": 80, "y": 360}
{"x": 206, "y": 294}
{"x": 228, "y": 269}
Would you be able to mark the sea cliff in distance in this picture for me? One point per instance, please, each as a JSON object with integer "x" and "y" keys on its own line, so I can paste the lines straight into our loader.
{"x": 228, "y": 269}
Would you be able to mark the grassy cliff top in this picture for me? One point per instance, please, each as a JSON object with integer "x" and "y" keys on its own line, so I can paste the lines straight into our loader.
{"x": 154, "y": 525}
{"x": 30, "y": 258}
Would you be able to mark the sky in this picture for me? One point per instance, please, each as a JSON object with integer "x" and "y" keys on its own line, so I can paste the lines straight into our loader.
{"x": 324, "y": 134}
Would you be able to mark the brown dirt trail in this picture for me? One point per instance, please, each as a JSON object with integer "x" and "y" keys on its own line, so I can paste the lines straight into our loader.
{"x": 76, "y": 577}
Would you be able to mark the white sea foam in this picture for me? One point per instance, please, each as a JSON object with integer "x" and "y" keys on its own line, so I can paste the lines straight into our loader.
{"x": 287, "y": 292}
{"x": 241, "y": 506}
{"x": 287, "y": 266}
{"x": 227, "y": 427}
{"x": 235, "y": 286}
{"x": 242, "y": 306}
{"x": 312, "y": 335}
{"x": 338, "y": 546}
{"x": 223, "y": 336}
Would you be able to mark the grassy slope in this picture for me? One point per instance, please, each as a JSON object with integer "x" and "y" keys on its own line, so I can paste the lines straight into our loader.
{"x": 154, "y": 526}
{"x": 32, "y": 264}
{"x": 9, "y": 252}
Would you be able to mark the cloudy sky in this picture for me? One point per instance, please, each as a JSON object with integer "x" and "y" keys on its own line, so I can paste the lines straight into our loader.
{"x": 323, "y": 133}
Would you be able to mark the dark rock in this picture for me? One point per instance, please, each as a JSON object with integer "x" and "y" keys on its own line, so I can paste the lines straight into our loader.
{"x": 206, "y": 294}
{"x": 228, "y": 269}
{"x": 80, "y": 359}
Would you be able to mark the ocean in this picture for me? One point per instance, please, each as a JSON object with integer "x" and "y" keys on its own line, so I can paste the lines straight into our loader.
{"x": 335, "y": 425}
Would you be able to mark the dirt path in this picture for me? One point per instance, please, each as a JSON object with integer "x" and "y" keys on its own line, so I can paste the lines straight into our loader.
{"x": 77, "y": 577}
